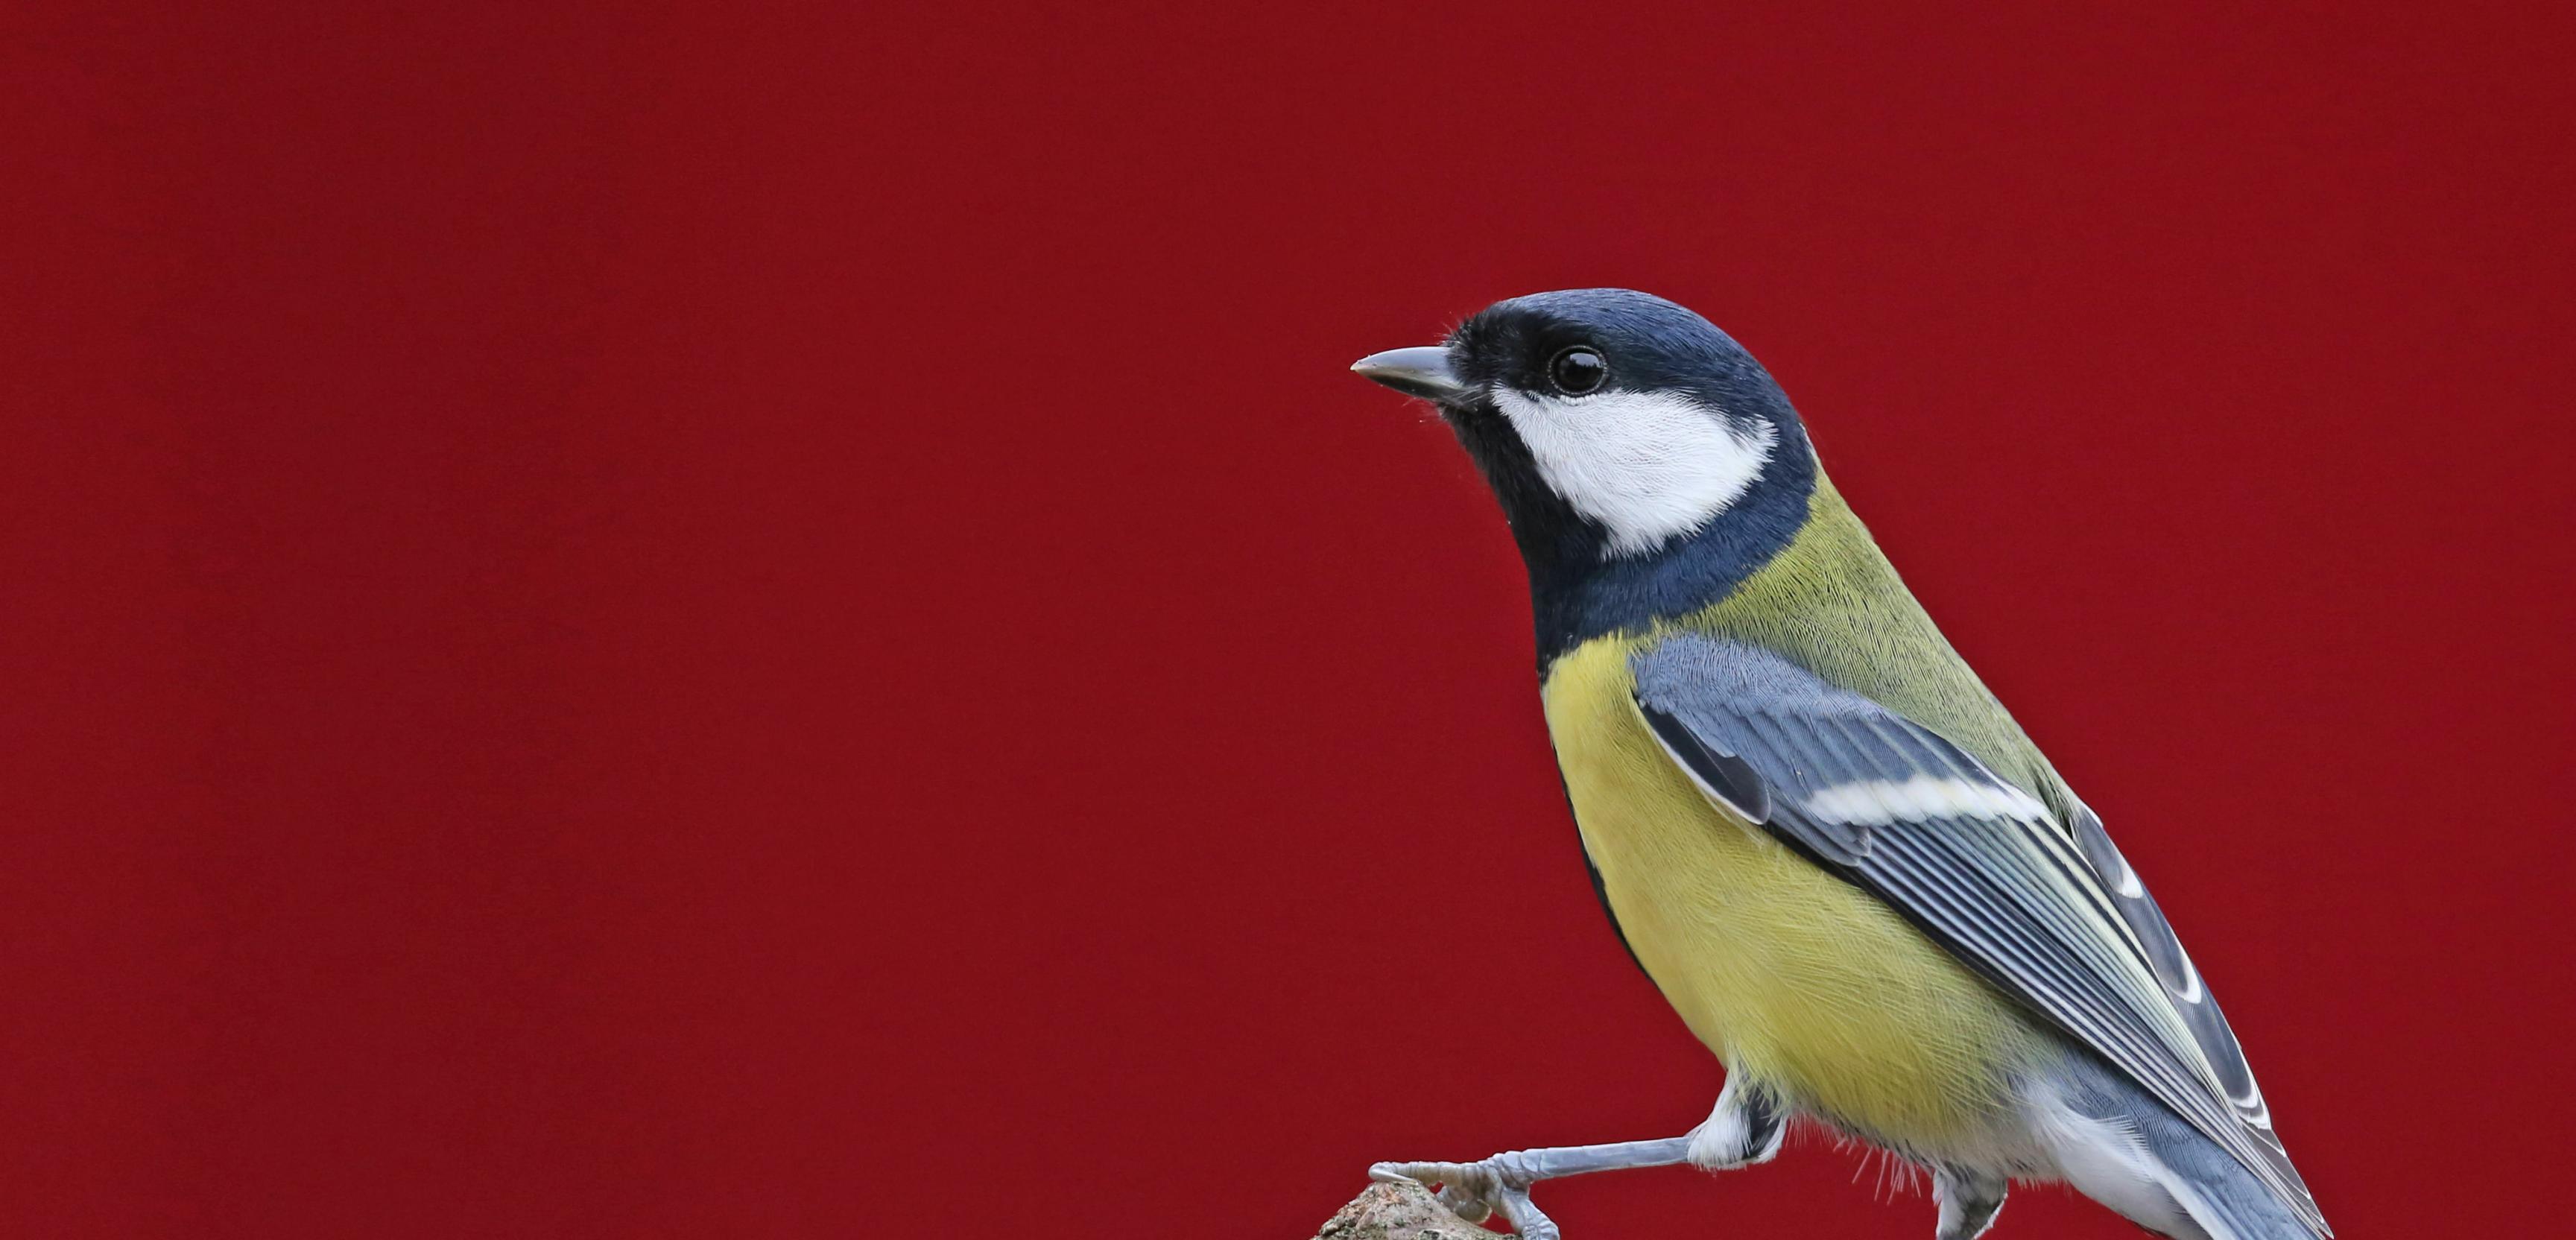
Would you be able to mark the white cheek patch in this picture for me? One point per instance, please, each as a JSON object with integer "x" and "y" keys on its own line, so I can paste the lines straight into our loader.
{"x": 1646, "y": 465}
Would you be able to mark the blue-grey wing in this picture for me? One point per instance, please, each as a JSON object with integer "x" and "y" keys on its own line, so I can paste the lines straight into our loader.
{"x": 2048, "y": 911}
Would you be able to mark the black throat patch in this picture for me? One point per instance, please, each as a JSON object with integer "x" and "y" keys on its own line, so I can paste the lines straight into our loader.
{"x": 1577, "y": 593}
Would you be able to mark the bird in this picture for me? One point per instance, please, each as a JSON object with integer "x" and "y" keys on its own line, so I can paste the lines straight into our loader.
{"x": 1844, "y": 865}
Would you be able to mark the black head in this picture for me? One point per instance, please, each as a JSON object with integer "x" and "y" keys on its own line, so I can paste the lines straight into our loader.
{"x": 1645, "y": 461}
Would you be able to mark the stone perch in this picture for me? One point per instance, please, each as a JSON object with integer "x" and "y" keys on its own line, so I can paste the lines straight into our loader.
{"x": 1403, "y": 1211}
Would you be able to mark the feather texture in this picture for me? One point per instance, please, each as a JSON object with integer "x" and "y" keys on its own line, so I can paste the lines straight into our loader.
{"x": 2053, "y": 917}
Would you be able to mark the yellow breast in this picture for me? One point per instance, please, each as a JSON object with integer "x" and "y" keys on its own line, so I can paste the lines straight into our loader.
{"x": 1790, "y": 974}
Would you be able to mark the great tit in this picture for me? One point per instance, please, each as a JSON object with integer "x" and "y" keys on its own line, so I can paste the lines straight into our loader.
{"x": 1815, "y": 829}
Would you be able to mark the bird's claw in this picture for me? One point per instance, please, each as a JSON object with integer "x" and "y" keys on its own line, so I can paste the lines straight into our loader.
{"x": 1475, "y": 1191}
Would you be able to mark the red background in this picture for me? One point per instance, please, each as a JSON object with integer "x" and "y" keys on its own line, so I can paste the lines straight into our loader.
{"x": 703, "y": 620}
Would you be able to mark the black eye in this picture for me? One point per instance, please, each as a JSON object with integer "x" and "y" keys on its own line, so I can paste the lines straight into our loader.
{"x": 1577, "y": 370}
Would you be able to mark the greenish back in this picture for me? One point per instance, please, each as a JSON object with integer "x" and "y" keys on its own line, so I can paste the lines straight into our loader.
{"x": 1831, "y": 603}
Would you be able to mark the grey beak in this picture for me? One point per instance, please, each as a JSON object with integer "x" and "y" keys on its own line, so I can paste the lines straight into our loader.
{"x": 1422, "y": 372}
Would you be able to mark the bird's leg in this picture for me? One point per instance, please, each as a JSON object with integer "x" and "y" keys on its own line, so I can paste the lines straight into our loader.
{"x": 1969, "y": 1202}
{"x": 1745, "y": 1129}
{"x": 1501, "y": 1183}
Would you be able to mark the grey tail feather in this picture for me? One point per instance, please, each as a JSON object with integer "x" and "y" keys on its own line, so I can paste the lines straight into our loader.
{"x": 2231, "y": 1202}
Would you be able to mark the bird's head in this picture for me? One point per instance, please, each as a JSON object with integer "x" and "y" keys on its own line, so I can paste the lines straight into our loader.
{"x": 1614, "y": 425}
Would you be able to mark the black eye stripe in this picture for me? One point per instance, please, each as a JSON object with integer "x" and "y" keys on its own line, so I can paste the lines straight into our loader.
{"x": 1577, "y": 369}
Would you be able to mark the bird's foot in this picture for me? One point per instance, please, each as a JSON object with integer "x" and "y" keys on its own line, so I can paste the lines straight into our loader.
{"x": 1476, "y": 1190}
